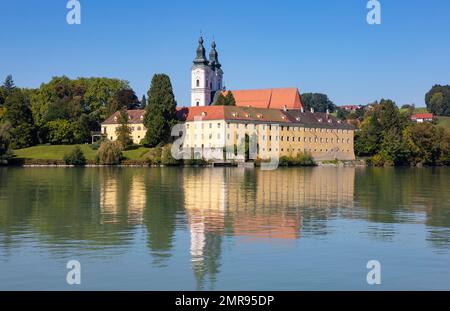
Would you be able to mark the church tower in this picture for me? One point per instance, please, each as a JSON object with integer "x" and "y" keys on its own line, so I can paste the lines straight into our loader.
{"x": 207, "y": 76}
{"x": 216, "y": 70}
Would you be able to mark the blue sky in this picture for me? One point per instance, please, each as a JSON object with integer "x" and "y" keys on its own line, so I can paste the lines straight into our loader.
{"x": 318, "y": 46}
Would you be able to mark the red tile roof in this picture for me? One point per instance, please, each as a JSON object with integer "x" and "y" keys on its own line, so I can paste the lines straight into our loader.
{"x": 233, "y": 113}
{"x": 251, "y": 114}
{"x": 350, "y": 107}
{"x": 426, "y": 116}
{"x": 268, "y": 98}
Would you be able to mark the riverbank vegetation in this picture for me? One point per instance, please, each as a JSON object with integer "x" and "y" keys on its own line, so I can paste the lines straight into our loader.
{"x": 301, "y": 159}
{"x": 388, "y": 138}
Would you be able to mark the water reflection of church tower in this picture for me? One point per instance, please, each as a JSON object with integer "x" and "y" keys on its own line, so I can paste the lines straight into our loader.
{"x": 205, "y": 203}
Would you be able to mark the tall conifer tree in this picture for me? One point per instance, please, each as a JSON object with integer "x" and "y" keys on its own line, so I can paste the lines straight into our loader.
{"x": 160, "y": 113}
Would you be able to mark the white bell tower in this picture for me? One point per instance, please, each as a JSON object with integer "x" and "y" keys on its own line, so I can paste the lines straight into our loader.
{"x": 202, "y": 75}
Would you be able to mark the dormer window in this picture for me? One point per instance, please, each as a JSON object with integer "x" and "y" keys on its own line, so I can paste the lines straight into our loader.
{"x": 298, "y": 119}
{"x": 320, "y": 120}
{"x": 203, "y": 114}
{"x": 247, "y": 115}
{"x": 234, "y": 114}
{"x": 260, "y": 116}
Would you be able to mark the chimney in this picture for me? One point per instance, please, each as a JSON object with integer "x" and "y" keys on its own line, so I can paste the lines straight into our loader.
{"x": 285, "y": 108}
{"x": 312, "y": 110}
{"x": 302, "y": 109}
{"x": 328, "y": 111}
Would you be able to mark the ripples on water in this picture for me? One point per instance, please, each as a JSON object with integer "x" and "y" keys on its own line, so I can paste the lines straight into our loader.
{"x": 161, "y": 219}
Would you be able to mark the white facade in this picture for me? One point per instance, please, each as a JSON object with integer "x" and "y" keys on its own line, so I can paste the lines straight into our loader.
{"x": 201, "y": 86}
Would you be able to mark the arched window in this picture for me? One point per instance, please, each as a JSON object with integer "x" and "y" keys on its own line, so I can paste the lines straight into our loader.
{"x": 198, "y": 83}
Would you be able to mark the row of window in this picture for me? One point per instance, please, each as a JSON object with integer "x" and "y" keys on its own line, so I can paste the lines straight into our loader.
{"x": 139, "y": 128}
{"x": 287, "y": 128}
{"x": 299, "y": 139}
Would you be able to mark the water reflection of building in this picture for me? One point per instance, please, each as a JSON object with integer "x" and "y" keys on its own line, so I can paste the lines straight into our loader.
{"x": 122, "y": 196}
{"x": 318, "y": 187}
{"x": 257, "y": 204}
{"x": 109, "y": 198}
{"x": 137, "y": 198}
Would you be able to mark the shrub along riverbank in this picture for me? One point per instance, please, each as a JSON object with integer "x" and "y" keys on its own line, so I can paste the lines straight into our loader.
{"x": 111, "y": 153}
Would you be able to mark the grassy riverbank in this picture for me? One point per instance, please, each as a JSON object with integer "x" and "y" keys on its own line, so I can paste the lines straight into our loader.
{"x": 57, "y": 152}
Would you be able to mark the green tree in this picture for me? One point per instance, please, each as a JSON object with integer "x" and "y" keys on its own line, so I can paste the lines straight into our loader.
{"x": 84, "y": 101}
{"x": 160, "y": 113}
{"x": 100, "y": 92}
{"x": 428, "y": 144}
{"x": 5, "y": 138}
{"x": 393, "y": 149}
{"x": 8, "y": 85}
{"x": 368, "y": 138}
{"x": 143, "y": 102}
{"x": 61, "y": 132}
{"x": 19, "y": 116}
{"x": 110, "y": 153}
{"x": 229, "y": 99}
{"x": 377, "y": 132}
{"x": 124, "y": 98}
{"x": 123, "y": 131}
{"x": 225, "y": 100}
{"x": 319, "y": 102}
{"x": 390, "y": 115}
{"x": 75, "y": 157}
{"x": 438, "y": 100}
{"x": 342, "y": 114}
{"x": 2, "y": 97}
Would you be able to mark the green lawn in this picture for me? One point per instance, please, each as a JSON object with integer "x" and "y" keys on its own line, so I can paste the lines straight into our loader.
{"x": 46, "y": 152}
{"x": 444, "y": 122}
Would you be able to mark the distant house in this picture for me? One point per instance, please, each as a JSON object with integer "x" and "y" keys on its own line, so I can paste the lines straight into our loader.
{"x": 351, "y": 107}
{"x": 422, "y": 117}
